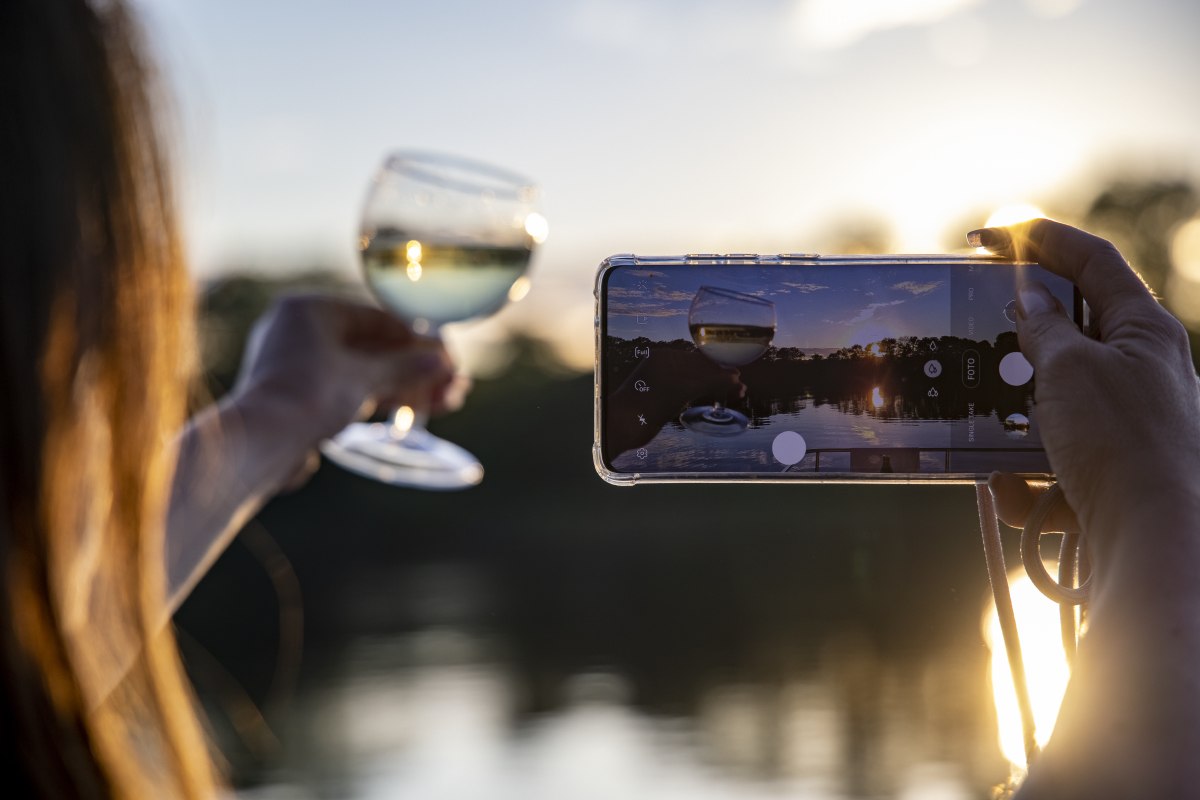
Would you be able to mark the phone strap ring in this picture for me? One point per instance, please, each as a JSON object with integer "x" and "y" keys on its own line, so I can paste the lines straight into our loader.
{"x": 1031, "y": 553}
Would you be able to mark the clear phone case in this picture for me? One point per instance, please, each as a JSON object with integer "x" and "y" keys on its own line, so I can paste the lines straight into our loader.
{"x": 773, "y": 474}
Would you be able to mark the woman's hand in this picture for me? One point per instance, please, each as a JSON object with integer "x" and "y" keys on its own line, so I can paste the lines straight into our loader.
{"x": 327, "y": 361}
{"x": 1120, "y": 420}
{"x": 313, "y": 364}
{"x": 1120, "y": 413}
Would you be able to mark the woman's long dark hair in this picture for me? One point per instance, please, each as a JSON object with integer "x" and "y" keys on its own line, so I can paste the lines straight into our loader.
{"x": 95, "y": 344}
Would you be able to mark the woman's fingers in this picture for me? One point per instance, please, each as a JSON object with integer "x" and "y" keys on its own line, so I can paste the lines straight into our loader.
{"x": 411, "y": 376}
{"x": 1109, "y": 285}
{"x": 1044, "y": 330}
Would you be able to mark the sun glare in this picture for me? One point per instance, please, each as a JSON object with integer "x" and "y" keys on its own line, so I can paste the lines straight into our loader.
{"x": 412, "y": 253}
{"x": 920, "y": 183}
{"x": 1183, "y": 285}
{"x": 1012, "y": 214}
{"x": 412, "y": 250}
{"x": 1045, "y": 667}
{"x": 537, "y": 227}
{"x": 520, "y": 288}
{"x": 1185, "y": 250}
{"x": 876, "y": 398}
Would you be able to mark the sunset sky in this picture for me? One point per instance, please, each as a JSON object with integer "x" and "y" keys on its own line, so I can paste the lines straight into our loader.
{"x": 815, "y": 308}
{"x": 662, "y": 126}
{"x": 819, "y": 308}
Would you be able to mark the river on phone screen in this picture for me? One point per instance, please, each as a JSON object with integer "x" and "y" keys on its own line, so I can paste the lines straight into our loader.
{"x": 945, "y": 405}
{"x": 547, "y": 636}
{"x": 830, "y": 432}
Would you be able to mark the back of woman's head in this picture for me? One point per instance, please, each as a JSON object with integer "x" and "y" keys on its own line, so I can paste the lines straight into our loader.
{"x": 94, "y": 354}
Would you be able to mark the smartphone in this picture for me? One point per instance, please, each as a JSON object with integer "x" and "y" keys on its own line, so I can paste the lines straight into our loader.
{"x": 780, "y": 368}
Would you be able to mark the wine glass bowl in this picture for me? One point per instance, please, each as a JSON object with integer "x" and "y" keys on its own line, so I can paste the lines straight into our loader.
{"x": 732, "y": 329}
{"x": 443, "y": 240}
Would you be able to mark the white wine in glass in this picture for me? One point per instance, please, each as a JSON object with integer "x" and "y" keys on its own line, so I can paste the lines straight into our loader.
{"x": 732, "y": 345}
{"x": 444, "y": 239}
{"x": 431, "y": 283}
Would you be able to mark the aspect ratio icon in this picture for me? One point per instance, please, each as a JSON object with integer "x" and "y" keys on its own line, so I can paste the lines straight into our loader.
{"x": 641, "y": 352}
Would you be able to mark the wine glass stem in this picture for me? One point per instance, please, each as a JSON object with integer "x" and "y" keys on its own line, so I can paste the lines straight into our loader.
{"x": 408, "y": 418}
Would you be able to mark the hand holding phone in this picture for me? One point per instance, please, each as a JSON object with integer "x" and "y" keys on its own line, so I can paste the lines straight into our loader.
{"x": 1121, "y": 407}
{"x": 850, "y": 368}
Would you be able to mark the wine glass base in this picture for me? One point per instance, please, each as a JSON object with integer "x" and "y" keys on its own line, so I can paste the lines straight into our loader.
{"x": 418, "y": 459}
{"x": 714, "y": 420}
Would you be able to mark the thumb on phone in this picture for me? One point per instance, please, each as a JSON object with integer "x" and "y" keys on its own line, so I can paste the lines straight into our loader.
{"x": 1043, "y": 327}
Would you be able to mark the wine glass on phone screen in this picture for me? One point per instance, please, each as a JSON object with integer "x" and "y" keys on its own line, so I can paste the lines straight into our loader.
{"x": 733, "y": 329}
{"x": 443, "y": 239}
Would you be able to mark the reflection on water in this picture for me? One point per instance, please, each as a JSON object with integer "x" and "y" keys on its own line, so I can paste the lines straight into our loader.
{"x": 413, "y": 717}
{"x": 545, "y": 635}
{"x": 961, "y": 412}
{"x": 1046, "y": 668}
{"x": 823, "y": 425}
{"x": 437, "y": 712}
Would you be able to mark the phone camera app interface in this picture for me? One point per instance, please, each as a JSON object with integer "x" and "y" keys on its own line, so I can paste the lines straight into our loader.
{"x": 847, "y": 368}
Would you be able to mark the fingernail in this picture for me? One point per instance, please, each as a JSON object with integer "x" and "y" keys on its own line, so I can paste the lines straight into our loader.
{"x": 991, "y": 238}
{"x": 1033, "y": 298}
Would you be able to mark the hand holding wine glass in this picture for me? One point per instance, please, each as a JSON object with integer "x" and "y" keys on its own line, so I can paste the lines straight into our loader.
{"x": 443, "y": 240}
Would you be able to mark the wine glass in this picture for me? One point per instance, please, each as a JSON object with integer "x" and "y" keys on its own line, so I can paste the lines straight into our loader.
{"x": 733, "y": 329}
{"x": 443, "y": 239}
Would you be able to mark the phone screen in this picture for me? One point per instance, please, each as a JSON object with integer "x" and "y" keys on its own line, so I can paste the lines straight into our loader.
{"x": 843, "y": 369}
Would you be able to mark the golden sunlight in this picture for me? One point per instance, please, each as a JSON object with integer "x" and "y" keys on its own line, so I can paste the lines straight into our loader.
{"x": 412, "y": 252}
{"x": 1012, "y": 214}
{"x": 920, "y": 194}
{"x": 1183, "y": 285}
{"x": 1045, "y": 666}
{"x": 1185, "y": 250}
